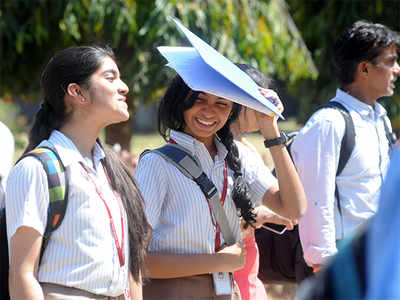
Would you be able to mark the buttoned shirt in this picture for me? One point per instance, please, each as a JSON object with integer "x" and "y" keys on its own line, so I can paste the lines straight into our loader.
{"x": 175, "y": 206}
{"x": 81, "y": 253}
{"x": 316, "y": 152}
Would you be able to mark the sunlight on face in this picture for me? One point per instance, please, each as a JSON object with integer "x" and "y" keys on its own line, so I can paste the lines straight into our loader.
{"x": 208, "y": 115}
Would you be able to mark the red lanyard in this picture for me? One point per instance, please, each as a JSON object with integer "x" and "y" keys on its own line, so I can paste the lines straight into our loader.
{"x": 223, "y": 196}
{"x": 120, "y": 249}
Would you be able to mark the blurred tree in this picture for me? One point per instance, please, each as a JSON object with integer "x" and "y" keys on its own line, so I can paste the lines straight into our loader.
{"x": 320, "y": 23}
{"x": 261, "y": 33}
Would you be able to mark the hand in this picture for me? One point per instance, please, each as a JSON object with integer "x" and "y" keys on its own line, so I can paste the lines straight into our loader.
{"x": 272, "y": 96}
{"x": 233, "y": 257}
{"x": 246, "y": 231}
{"x": 269, "y": 125}
{"x": 264, "y": 215}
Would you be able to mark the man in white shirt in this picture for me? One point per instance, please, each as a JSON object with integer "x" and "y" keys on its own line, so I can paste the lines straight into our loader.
{"x": 7, "y": 157}
{"x": 365, "y": 57}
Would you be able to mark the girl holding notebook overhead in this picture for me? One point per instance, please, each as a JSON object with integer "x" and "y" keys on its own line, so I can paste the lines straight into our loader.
{"x": 186, "y": 245}
{"x": 196, "y": 240}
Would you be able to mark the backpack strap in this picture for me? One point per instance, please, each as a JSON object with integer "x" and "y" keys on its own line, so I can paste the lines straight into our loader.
{"x": 57, "y": 178}
{"x": 348, "y": 140}
{"x": 189, "y": 165}
{"x": 390, "y": 135}
{"x": 346, "y": 146}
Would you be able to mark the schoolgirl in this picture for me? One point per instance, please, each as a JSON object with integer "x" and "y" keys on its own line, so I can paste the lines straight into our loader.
{"x": 186, "y": 245}
{"x": 98, "y": 251}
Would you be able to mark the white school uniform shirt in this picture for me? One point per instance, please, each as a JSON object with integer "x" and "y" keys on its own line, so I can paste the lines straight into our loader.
{"x": 175, "y": 206}
{"x": 81, "y": 253}
{"x": 316, "y": 151}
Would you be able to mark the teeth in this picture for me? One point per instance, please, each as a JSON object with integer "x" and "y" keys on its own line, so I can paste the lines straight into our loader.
{"x": 205, "y": 122}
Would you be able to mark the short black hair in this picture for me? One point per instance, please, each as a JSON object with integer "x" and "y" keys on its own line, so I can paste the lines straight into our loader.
{"x": 362, "y": 41}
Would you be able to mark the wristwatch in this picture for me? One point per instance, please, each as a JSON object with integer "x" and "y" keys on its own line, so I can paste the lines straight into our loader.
{"x": 276, "y": 141}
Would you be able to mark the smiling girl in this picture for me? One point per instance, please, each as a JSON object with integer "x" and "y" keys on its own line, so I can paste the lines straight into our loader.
{"x": 186, "y": 245}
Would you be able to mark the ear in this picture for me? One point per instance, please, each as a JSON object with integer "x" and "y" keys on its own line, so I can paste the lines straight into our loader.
{"x": 362, "y": 68}
{"x": 75, "y": 91}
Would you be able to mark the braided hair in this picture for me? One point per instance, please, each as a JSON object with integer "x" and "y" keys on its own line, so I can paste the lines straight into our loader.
{"x": 179, "y": 98}
{"x": 240, "y": 192}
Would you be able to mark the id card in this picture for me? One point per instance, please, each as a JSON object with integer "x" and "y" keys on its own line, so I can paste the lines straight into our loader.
{"x": 222, "y": 283}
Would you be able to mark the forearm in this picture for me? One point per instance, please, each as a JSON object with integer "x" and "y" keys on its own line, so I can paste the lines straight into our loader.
{"x": 317, "y": 232}
{"x": 163, "y": 265}
{"x": 136, "y": 288}
{"x": 292, "y": 196}
{"x": 24, "y": 286}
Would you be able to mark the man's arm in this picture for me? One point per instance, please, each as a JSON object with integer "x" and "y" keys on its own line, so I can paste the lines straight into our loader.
{"x": 316, "y": 154}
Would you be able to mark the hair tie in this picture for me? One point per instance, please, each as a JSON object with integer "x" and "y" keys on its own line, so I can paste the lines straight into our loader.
{"x": 238, "y": 174}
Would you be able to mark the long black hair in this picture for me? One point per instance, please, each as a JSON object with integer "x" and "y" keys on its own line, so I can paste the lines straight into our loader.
{"x": 77, "y": 65}
{"x": 179, "y": 98}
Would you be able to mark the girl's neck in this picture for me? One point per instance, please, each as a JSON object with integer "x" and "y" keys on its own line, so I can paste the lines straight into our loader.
{"x": 210, "y": 145}
{"x": 83, "y": 137}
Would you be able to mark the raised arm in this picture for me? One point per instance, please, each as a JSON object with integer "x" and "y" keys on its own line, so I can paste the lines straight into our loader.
{"x": 289, "y": 200}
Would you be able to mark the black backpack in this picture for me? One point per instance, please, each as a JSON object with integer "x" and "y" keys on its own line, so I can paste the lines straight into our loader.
{"x": 57, "y": 176}
{"x": 281, "y": 256}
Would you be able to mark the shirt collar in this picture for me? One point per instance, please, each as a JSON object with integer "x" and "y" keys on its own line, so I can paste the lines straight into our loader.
{"x": 360, "y": 107}
{"x": 195, "y": 146}
{"x": 69, "y": 153}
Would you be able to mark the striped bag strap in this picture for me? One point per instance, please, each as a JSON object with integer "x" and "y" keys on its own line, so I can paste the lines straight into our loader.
{"x": 57, "y": 178}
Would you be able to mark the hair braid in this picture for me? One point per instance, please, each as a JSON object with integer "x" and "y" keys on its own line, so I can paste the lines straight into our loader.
{"x": 240, "y": 193}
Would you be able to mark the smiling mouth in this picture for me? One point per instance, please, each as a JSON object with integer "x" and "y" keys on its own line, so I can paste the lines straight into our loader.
{"x": 205, "y": 123}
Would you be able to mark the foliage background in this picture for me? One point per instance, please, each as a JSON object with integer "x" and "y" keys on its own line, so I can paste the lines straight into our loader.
{"x": 290, "y": 41}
